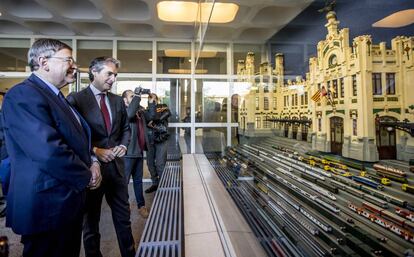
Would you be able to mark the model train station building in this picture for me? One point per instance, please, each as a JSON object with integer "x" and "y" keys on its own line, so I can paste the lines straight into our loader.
{"x": 355, "y": 86}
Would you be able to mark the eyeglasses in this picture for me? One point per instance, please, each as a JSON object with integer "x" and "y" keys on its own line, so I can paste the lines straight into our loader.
{"x": 69, "y": 59}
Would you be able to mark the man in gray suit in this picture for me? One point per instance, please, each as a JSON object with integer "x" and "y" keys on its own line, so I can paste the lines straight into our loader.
{"x": 106, "y": 115}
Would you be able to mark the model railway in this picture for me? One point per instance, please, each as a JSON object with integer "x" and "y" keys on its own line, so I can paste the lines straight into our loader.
{"x": 267, "y": 222}
{"x": 363, "y": 191}
{"x": 301, "y": 193}
{"x": 262, "y": 166}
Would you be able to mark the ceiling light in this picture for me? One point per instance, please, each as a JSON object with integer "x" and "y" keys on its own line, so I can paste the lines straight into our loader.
{"x": 396, "y": 20}
{"x": 179, "y": 11}
{"x": 186, "y": 53}
{"x": 222, "y": 12}
{"x": 187, "y": 71}
{"x": 150, "y": 59}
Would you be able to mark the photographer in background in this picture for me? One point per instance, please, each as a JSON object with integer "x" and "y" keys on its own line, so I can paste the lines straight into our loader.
{"x": 158, "y": 143}
{"x": 134, "y": 158}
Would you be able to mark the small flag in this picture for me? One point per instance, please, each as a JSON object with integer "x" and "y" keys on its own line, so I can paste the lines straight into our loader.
{"x": 323, "y": 91}
{"x": 317, "y": 96}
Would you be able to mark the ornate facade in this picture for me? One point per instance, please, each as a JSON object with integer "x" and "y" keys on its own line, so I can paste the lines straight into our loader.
{"x": 359, "y": 85}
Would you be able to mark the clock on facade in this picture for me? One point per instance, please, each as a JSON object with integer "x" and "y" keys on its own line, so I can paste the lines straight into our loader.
{"x": 333, "y": 60}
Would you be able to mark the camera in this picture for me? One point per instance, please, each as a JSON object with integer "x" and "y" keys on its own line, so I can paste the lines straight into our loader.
{"x": 141, "y": 91}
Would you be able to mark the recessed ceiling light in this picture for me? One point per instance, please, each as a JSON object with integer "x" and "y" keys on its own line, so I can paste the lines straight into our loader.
{"x": 396, "y": 20}
{"x": 150, "y": 59}
{"x": 179, "y": 11}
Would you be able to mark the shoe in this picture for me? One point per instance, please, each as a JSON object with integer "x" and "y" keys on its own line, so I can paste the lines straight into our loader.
{"x": 151, "y": 189}
{"x": 143, "y": 211}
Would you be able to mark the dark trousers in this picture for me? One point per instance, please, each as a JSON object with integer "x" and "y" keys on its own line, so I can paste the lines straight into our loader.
{"x": 5, "y": 172}
{"x": 115, "y": 189}
{"x": 156, "y": 159}
{"x": 187, "y": 138}
{"x": 134, "y": 167}
{"x": 64, "y": 242}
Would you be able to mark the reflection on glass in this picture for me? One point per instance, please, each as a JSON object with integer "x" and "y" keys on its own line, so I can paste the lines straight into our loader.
{"x": 7, "y": 83}
{"x": 123, "y": 84}
{"x": 211, "y": 100}
{"x": 173, "y": 58}
{"x": 90, "y": 49}
{"x": 212, "y": 59}
{"x": 13, "y": 54}
{"x": 176, "y": 93}
{"x": 210, "y": 140}
{"x": 135, "y": 56}
{"x": 240, "y": 52}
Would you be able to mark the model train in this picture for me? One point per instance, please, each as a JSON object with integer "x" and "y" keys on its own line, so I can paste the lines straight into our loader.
{"x": 405, "y": 213}
{"x": 407, "y": 188}
{"x": 404, "y": 233}
{"x": 389, "y": 170}
{"x": 390, "y": 216}
{"x": 367, "y": 182}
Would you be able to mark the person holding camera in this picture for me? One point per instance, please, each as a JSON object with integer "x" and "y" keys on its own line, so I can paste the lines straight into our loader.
{"x": 106, "y": 115}
{"x": 158, "y": 143}
{"x": 134, "y": 158}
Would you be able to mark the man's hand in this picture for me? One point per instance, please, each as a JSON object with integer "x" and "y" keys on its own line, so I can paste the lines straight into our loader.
{"x": 151, "y": 98}
{"x": 96, "y": 178}
{"x": 119, "y": 150}
{"x": 104, "y": 155}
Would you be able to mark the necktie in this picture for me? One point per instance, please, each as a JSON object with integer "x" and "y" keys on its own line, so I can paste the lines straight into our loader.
{"x": 67, "y": 105}
{"x": 63, "y": 99}
{"x": 105, "y": 113}
{"x": 140, "y": 131}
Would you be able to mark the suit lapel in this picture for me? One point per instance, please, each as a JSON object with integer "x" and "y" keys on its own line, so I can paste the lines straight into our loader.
{"x": 65, "y": 108}
{"x": 95, "y": 109}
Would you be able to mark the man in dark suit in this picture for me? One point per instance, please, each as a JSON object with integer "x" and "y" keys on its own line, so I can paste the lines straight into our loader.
{"x": 134, "y": 158}
{"x": 49, "y": 149}
{"x": 106, "y": 115}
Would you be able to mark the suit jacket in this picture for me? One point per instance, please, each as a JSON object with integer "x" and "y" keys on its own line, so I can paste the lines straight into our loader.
{"x": 85, "y": 103}
{"x": 134, "y": 150}
{"x": 50, "y": 159}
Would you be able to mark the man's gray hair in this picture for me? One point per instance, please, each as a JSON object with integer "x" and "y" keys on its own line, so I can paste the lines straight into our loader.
{"x": 98, "y": 64}
{"x": 44, "y": 47}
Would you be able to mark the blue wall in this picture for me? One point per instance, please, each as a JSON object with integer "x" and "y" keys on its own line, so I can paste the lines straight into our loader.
{"x": 297, "y": 41}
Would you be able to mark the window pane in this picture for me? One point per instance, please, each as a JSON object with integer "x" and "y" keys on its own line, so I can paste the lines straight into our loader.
{"x": 123, "y": 84}
{"x": 210, "y": 140}
{"x": 135, "y": 56}
{"x": 240, "y": 52}
{"x": 90, "y": 49}
{"x": 212, "y": 59}
{"x": 173, "y": 58}
{"x": 13, "y": 54}
{"x": 390, "y": 79}
{"x": 211, "y": 100}
{"x": 176, "y": 93}
{"x": 7, "y": 83}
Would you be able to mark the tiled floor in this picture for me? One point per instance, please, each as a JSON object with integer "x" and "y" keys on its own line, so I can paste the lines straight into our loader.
{"x": 109, "y": 245}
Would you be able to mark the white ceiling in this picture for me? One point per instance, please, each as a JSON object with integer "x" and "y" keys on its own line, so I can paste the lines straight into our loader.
{"x": 256, "y": 20}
